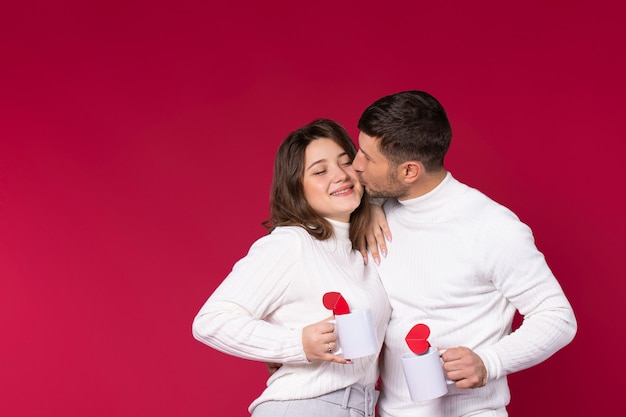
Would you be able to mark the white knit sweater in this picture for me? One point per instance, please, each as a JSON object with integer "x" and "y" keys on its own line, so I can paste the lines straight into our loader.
{"x": 259, "y": 310}
{"x": 462, "y": 264}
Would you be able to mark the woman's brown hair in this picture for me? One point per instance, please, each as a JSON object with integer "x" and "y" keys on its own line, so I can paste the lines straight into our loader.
{"x": 288, "y": 206}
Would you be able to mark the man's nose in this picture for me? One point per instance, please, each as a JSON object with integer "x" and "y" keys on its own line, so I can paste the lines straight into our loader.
{"x": 356, "y": 162}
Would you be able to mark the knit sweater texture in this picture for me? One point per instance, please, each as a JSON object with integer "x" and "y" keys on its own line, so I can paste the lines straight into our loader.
{"x": 463, "y": 264}
{"x": 259, "y": 310}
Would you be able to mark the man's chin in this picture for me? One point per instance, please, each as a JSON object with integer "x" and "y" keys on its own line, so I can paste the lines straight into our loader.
{"x": 376, "y": 193}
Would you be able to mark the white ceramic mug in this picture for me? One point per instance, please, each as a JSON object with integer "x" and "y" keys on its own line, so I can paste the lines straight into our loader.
{"x": 424, "y": 375}
{"x": 356, "y": 334}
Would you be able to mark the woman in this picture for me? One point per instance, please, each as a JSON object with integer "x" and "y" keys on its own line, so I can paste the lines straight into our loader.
{"x": 269, "y": 308}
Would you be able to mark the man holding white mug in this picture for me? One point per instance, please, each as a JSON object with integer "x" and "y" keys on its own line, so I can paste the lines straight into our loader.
{"x": 458, "y": 262}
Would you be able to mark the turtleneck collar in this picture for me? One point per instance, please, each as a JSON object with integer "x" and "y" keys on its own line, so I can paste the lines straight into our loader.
{"x": 340, "y": 244}
{"x": 342, "y": 230}
{"x": 432, "y": 200}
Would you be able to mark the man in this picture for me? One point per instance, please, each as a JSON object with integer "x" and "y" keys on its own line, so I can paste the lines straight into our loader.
{"x": 458, "y": 262}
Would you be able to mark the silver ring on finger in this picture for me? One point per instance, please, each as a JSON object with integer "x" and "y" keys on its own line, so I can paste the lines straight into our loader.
{"x": 330, "y": 350}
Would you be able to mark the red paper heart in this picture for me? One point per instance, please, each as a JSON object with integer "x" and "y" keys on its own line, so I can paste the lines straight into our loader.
{"x": 335, "y": 301}
{"x": 416, "y": 339}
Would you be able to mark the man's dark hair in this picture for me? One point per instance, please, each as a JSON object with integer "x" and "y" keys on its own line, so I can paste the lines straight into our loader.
{"x": 411, "y": 125}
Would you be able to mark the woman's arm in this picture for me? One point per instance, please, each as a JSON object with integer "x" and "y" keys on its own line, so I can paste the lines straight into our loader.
{"x": 377, "y": 235}
{"x": 236, "y": 317}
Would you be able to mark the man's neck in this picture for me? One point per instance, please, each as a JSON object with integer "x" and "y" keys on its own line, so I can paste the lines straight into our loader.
{"x": 426, "y": 182}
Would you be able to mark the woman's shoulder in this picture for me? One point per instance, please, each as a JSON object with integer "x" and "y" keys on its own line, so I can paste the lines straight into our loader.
{"x": 285, "y": 239}
{"x": 290, "y": 233}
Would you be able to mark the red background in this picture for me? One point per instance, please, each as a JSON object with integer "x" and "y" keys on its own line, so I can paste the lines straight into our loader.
{"x": 136, "y": 147}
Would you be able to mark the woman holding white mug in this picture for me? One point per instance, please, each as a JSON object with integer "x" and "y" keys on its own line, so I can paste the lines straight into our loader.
{"x": 269, "y": 308}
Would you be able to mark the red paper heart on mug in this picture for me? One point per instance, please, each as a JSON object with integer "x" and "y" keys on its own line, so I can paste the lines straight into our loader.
{"x": 335, "y": 301}
{"x": 416, "y": 339}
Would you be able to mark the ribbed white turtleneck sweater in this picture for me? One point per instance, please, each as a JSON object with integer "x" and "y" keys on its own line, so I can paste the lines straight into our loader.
{"x": 259, "y": 310}
{"x": 462, "y": 264}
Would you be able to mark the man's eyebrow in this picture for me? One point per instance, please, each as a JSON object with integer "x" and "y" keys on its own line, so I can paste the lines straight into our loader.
{"x": 363, "y": 152}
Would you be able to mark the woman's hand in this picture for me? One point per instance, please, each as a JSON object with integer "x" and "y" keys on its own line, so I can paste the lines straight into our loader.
{"x": 377, "y": 235}
{"x": 319, "y": 342}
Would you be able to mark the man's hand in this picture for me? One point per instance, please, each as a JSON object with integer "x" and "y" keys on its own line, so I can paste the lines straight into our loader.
{"x": 272, "y": 367}
{"x": 464, "y": 367}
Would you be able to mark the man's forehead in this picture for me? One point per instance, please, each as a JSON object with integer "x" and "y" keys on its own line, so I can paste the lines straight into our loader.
{"x": 367, "y": 143}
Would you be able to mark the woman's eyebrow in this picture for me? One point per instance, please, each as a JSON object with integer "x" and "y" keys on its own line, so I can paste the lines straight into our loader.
{"x": 315, "y": 163}
{"x": 342, "y": 154}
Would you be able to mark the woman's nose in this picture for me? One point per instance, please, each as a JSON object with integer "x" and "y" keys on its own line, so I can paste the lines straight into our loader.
{"x": 341, "y": 174}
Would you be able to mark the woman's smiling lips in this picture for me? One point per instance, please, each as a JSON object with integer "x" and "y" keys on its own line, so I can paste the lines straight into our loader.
{"x": 343, "y": 191}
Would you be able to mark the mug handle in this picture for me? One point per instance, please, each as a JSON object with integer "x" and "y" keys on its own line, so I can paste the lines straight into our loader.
{"x": 448, "y": 381}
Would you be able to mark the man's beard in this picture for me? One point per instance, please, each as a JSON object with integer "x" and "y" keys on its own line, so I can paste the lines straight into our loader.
{"x": 391, "y": 189}
{"x": 395, "y": 193}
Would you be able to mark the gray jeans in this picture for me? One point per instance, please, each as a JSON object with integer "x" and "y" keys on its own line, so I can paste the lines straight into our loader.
{"x": 354, "y": 401}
